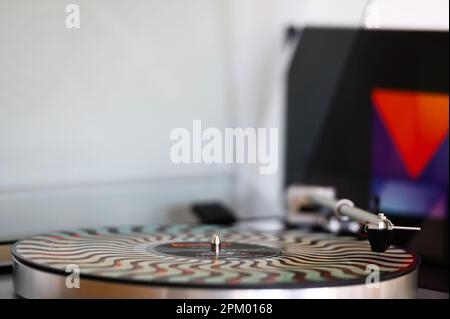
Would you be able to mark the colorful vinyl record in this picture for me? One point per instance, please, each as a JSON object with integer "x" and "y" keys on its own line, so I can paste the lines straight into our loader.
{"x": 178, "y": 261}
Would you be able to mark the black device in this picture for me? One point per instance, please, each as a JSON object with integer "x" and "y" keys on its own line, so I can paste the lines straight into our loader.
{"x": 350, "y": 93}
{"x": 213, "y": 213}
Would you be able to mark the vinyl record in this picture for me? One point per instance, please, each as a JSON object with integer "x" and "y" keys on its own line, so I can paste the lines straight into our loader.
{"x": 176, "y": 261}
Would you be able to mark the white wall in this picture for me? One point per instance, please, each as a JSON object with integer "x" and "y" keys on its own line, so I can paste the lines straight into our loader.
{"x": 81, "y": 110}
{"x": 98, "y": 103}
{"x": 409, "y": 14}
{"x": 162, "y": 201}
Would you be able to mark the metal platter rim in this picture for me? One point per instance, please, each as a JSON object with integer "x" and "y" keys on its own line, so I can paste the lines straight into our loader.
{"x": 403, "y": 287}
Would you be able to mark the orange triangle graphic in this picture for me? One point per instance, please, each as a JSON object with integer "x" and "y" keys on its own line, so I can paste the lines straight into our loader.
{"x": 417, "y": 122}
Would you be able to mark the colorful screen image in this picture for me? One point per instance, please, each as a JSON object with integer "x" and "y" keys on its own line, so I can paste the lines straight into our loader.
{"x": 410, "y": 147}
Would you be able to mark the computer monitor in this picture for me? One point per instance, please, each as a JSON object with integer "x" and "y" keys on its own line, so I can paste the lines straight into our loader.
{"x": 368, "y": 113}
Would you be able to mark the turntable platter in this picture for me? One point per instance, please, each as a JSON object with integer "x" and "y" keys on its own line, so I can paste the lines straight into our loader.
{"x": 176, "y": 262}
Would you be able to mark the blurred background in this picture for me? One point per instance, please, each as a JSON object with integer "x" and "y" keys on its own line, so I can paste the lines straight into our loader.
{"x": 86, "y": 114}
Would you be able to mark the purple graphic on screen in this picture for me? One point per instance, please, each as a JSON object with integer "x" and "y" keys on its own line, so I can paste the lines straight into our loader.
{"x": 423, "y": 196}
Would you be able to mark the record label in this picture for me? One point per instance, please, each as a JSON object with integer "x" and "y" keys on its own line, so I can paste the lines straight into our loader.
{"x": 229, "y": 250}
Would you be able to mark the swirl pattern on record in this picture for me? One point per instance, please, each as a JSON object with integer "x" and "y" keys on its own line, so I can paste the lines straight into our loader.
{"x": 128, "y": 254}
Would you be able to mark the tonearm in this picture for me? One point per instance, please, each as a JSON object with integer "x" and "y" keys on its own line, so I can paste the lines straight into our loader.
{"x": 377, "y": 227}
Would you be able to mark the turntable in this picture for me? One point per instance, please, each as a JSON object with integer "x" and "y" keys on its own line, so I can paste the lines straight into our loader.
{"x": 206, "y": 261}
